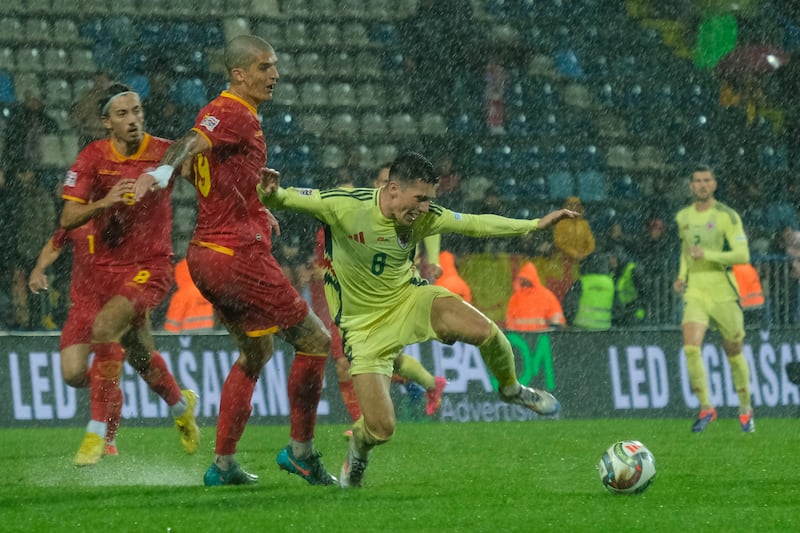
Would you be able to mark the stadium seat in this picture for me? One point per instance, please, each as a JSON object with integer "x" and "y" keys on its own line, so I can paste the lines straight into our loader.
{"x": 57, "y": 92}
{"x": 276, "y": 158}
{"x": 237, "y": 8}
{"x": 234, "y": 27}
{"x": 60, "y": 116}
{"x": 432, "y": 124}
{"x": 65, "y": 31}
{"x": 27, "y": 84}
{"x": 189, "y": 92}
{"x": 29, "y": 59}
{"x": 374, "y": 125}
{"x": 314, "y": 94}
{"x": 126, "y": 7}
{"x": 354, "y": 34}
{"x": 386, "y": 33}
{"x": 367, "y": 64}
{"x": 649, "y": 157}
{"x": 402, "y": 124}
{"x": 7, "y": 94}
{"x": 309, "y": 64}
{"x": 519, "y": 125}
{"x": 283, "y": 124}
{"x": 625, "y": 188}
{"x": 341, "y": 64}
{"x": 577, "y": 95}
{"x": 265, "y": 8}
{"x": 82, "y": 60}
{"x": 333, "y": 156}
{"x": 12, "y": 29}
{"x": 541, "y": 65}
{"x": 324, "y": 9}
{"x": 295, "y": 8}
{"x": 343, "y": 125}
{"x": 590, "y": 157}
{"x": 560, "y": 184}
{"x": 7, "y": 60}
{"x": 285, "y": 94}
{"x": 620, "y": 156}
{"x": 463, "y": 125}
{"x": 327, "y": 34}
{"x": 534, "y": 188}
{"x": 52, "y": 154}
{"x": 37, "y": 30}
{"x": 528, "y": 158}
{"x": 81, "y": 86}
{"x": 370, "y": 95}
{"x": 314, "y": 124}
{"x": 341, "y": 95}
{"x": 591, "y": 185}
{"x": 296, "y": 34}
{"x": 70, "y": 146}
{"x": 364, "y": 157}
{"x": 773, "y": 157}
{"x": 287, "y": 64}
{"x": 299, "y": 158}
{"x": 385, "y": 153}
{"x": 273, "y": 34}
{"x": 56, "y": 60}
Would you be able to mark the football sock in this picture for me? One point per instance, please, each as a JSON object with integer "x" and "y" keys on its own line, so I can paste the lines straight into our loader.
{"x": 305, "y": 390}
{"x": 349, "y": 399}
{"x": 234, "y": 409}
{"x": 96, "y": 427}
{"x": 496, "y": 352}
{"x": 741, "y": 380}
{"x": 697, "y": 375}
{"x": 156, "y": 374}
{"x": 301, "y": 450}
{"x": 104, "y": 384}
{"x": 410, "y": 368}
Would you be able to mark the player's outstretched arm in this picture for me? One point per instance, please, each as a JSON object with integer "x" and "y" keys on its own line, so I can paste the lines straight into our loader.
{"x": 269, "y": 181}
{"x": 37, "y": 280}
{"x": 554, "y": 216}
{"x": 179, "y": 152}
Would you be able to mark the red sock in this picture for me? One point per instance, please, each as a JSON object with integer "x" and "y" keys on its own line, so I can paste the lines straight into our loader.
{"x": 115, "y": 399}
{"x": 161, "y": 380}
{"x": 104, "y": 391}
{"x": 234, "y": 409}
{"x": 349, "y": 398}
{"x": 305, "y": 391}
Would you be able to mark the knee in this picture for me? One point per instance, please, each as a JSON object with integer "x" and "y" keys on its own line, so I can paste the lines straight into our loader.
{"x": 381, "y": 430}
{"x": 252, "y": 361}
{"x": 75, "y": 375}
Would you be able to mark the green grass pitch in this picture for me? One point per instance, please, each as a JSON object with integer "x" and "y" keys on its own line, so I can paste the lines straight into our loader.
{"x": 498, "y": 477}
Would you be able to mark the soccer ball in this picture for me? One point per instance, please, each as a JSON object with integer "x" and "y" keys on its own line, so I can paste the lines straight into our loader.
{"x": 627, "y": 467}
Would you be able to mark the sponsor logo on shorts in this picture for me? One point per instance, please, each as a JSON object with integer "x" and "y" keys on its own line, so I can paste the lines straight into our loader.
{"x": 209, "y": 122}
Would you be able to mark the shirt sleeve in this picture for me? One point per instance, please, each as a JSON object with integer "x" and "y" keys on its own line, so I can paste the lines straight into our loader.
{"x": 308, "y": 201}
{"x": 80, "y": 177}
{"x": 737, "y": 242}
{"x": 219, "y": 126}
{"x": 446, "y": 221}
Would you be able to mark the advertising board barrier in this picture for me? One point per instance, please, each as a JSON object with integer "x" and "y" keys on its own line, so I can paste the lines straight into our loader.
{"x": 611, "y": 374}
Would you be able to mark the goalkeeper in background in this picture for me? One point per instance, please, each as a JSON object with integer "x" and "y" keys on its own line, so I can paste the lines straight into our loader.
{"x": 712, "y": 241}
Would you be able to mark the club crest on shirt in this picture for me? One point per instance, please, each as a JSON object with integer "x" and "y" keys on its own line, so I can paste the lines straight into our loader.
{"x": 209, "y": 122}
{"x": 403, "y": 239}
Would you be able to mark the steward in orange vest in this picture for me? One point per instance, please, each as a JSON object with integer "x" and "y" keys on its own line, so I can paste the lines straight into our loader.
{"x": 188, "y": 309}
{"x": 751, "y": 296}
{"x": 533, "y": 307}
{"x": 450, "y": 279}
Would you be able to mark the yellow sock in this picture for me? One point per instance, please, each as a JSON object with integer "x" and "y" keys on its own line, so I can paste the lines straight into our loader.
{"x": 498, "y": 356}
{"x": 364, "y": 440}
{"x": 697, "y": 375}
{"x": 741, "y": 380}
{"x": 411, "y": 369}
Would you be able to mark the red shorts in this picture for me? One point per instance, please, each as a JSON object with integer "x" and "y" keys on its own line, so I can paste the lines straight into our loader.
{"x": 78, "y": 325}
{"x": 248, "y": 289}
{"x": 145, "y": 286}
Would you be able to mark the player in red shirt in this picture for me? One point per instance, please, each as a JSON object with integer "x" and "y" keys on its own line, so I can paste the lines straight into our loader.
{"x": 105, "y": 397}
{"x": 231, "y": 262}
{"x": 133, "y": 252}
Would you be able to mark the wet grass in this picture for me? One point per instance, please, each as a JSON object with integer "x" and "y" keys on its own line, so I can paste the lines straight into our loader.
{"x": 537, "y": 476}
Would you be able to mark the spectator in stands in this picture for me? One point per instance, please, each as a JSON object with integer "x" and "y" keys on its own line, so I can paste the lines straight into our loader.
{"x": 32, "y": 217}
{"x": 26, "y": 125}
{"x": 533, "y": 307}
{"x": 628, "y": 305}
{"x": 652, "y": 252}
{"x": 83, "y": 115}
{"x": 7, "y": 231}
{"x": 574, "y": 242}
{"x": 751, "y": 296}
{"x": 188, "y": 310}
{"x": 450, "y": 278}
{"x": 171, "y": 121}
{"x": 495, "y": 78}
{"x": 589, "y": 304}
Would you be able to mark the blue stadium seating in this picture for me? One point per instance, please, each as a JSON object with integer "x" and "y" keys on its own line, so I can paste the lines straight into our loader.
{"x": 189, "y": 92}
{"x": 591, "y": 185}
{"x": 560, "y": 184}
{"x": 7, "y": 94}
{"x": 139, "y": 83}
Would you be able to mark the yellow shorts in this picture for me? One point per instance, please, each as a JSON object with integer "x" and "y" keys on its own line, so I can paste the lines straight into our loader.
{"x": 372, "y": 350}
{"x": 700, "y": 307}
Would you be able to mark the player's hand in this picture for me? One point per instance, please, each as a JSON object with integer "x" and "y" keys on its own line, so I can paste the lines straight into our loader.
{"x": 122, "y": 191}
{"x": 144, "y": 184}
{"x": 695, "y": 252}
{"x": 274, "y": 225}
{"x": 555, "y": 216}
{"x": 37, "y": 281}
{"x": 679, "y": 286}
{"x": 269, "y": 180}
